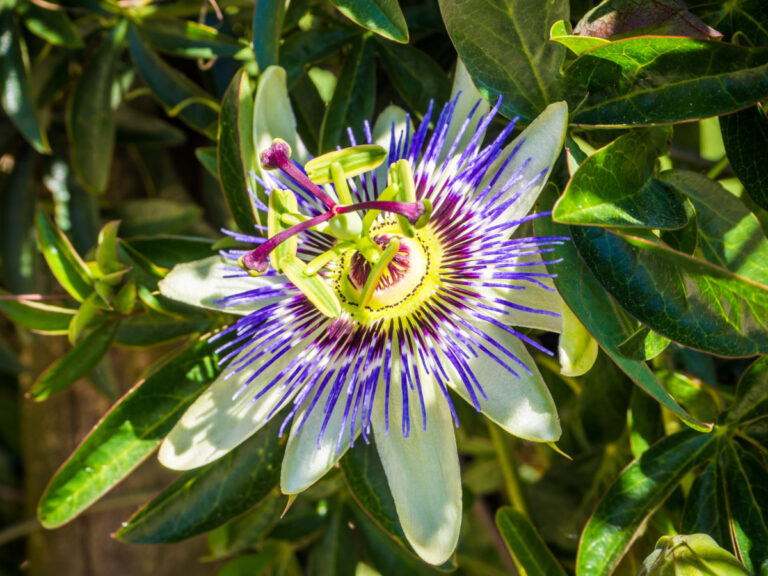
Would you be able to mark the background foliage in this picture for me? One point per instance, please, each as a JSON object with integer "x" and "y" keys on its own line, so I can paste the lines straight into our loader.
{"x": 127, "y": 135}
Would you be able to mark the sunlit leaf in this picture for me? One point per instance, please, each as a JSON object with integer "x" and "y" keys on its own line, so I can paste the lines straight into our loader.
{"x": 383, "y": 17}
{"x": 65, "y": 263}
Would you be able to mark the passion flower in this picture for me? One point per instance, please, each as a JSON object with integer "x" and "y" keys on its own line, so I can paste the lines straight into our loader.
{"x": 389, "y": 280}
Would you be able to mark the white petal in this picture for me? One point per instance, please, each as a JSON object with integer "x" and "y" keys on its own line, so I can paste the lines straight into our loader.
{"x": 577, "y": 348}
{"x": 532, "y": 297}
{"x": 202, "y": 283}
{"x": 273, "y": 115}
{"x": 462, "y": 83}
{"x": 217, "y": 422}
{"x": 542, "y": 143}
{"x": 422, "y": 470}
{"x": 305, "y": 462}
{"x": 521, "y": 405}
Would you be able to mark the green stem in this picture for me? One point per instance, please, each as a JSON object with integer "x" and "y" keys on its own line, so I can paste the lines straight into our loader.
{"x": 715, "y": 171}
{"x": 511, "y": 481}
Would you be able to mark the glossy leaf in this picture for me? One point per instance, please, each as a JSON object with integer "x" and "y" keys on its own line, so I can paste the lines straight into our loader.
{"x": 653, "y": 79}
{"x": 174, "y": 90}
{"x": 187, "y": 39}
{"x": 600, "y": 315}
{"x": 90, "y": 122}
{"x": 65, "y": 264}
{"x": 353, "y": 99}
{"x": 745, "y": 135}
{"x": 415, "y": 75}
{"x": 206, "y": 498}
{"x": 752, "y": 394}
{"x": 37, "y": 316}
{"x": 76, "y": 363}
{"x": 16, "y": 93}
{"x": 53, "y": 26}
{"x": 688, "y": 300}
{"x": 236, "y": 156}
{"x": 128, "y": 434}
{"x": 383, "y": 17}
{"x": 748, "y": 506}
{"x": 505, "y": 46}
{"x": 729, "y": 234}
{"x": 641, "y": 488}
{"x": 528, "y": 549}
{"x": 268, "y": 16}
{"x": 643, "y": 345}
{"x": 616, "y": 187}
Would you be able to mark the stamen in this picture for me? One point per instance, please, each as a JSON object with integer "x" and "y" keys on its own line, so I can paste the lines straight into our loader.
{"x": 278, "y": 155}
{"x": 378, "y": 270}
{"x": 417, "y": 213}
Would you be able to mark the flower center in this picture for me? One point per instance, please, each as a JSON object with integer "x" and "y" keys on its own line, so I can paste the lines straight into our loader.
{"x": 396, "y": 269}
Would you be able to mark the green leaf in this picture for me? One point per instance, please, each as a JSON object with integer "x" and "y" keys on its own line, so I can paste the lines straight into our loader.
{"x": 747, "y": 494}
{"x": 180, "y": 96}
{"x": 745, "y": 134}
{"x": 301, "y": 48}
{"x": 653, "y": 79}
{"x": 206, "y": 498}
{"x": 90, "y": 122}
{"x": 600, "y": 315}
{"x": 415, "y": 75}
{"x": 616, "y": 186}
{"x": 688, "y": 300}
{"x": 106, "y": 252}
{"x": 149, "y": 330}
{"x": 335, "y": 553}
{"x": 505, "y": 46}
{"x": 17, "y": 225}
{"x": 268, "y": 19}
{"x": 134, "y": 127}
{"x": 65, "y": 264}
{"x": 529, "y": 551}
{"x": 383, "y": 17}
{"x": 37, "y": 316}
{"x": 76, "y": 363}
{"x": 207, "y": 157}
{"x": 53, "y": 26}
{"x": 729, "y": 234}
{"x": 353, "y": 99}
{"x": 629, "y": 502}
{"x": 741, "y": 18}
{"x": 706, "y": 508}
{"x": 246, "y": 530}
{"x": 154, "y": 216}
{"x": 752, "y": 394}
{"x": 167, "y": 251}
{"x": 128, "y": 434}
{"x": 643, "y": 345}
{"x": 187, "y": 39}
{"x": 16, "y": 93}
{"x": 561, "y": 32}
{"x": 645, "y": 424}
{"x": 692, "y": 394}
{"x": 236, "y": 156}
{"x": 310, "y": 109}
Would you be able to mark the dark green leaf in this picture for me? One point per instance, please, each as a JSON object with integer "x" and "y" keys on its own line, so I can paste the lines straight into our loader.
{"x": 303, "y": 48}
{"x": 654, "y": 79}
{"x": 247, "y": 530}
{"x": 173, "y": 90}
{"x": 267, "y": 28}
{"x": 37, "y": 316}
{"x": 9, "y": 362}
{"x": 645, "y": 424}
{"x": 616, "y": 186}
{"x": 309, "y": 109}
{"x": 600, "y": 315}
{"x": 603, "y": 403}
{"x": 747, "y": 494}
{"x": 685, "y": 239}
{"x": 530, "y": 552}
{"x": 128, "y": 434}
{"x": 752, "y": 394}
{"x": 745, "y": 135}
{"x": 685, "y": 299}
{"x": 236, "y": 154}
{"x": 65, "y": 264}
{"x": 154, "y": 216}
{"x": 17, "y": 226}
{"x": 149, "y": 330}
{"x": 134, "y": 127}
{"x": 206, "y": 498}
{"x": 53, "y": 26}
{"x": 76, "y": 363}
{"x": 167, "y": 251}
{"x": 335, "y": 553}
{"x": 739, "y": 18}
{"x": 353, "y": 99}
{"x": 505, "y": 46}
{"x": 90, "y": 122}
{"x": 640, "y": 489}
{"x": 277, "y": 555}
{"x": 207, "y": 157}
{"x": 415, "y": 75}
{"x": 383, "y": 17}
{"x": 187, "y": 39}
{"x": 643, "y": 345}
{"x": 706, "y": 510}
{"x": 729, "y": 234}
{"x": 16, "y": 93}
